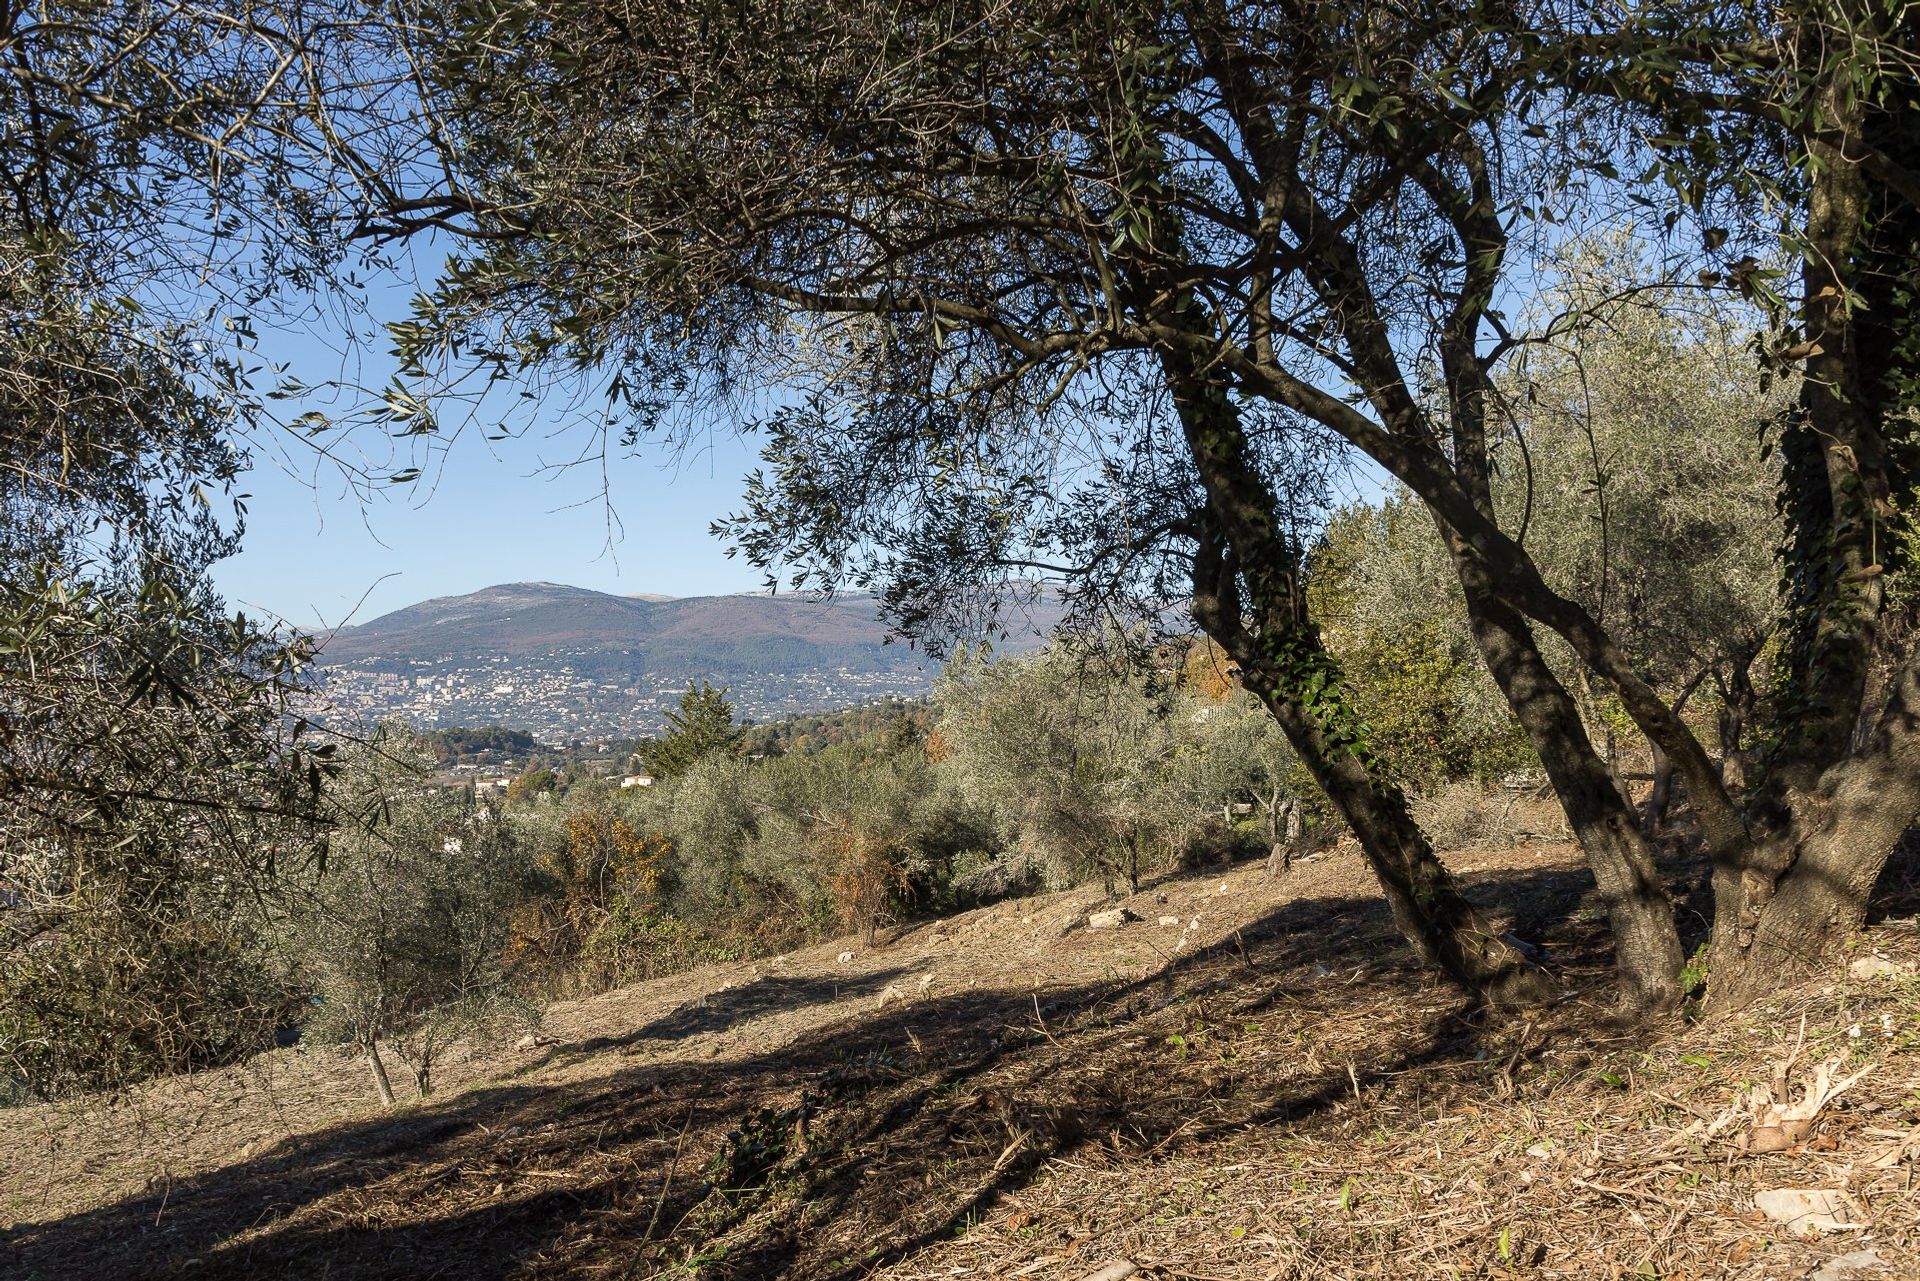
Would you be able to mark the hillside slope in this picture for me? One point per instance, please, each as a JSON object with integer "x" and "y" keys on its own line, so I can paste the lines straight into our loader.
{"x": 566, "y": 662}
{"x": 1264, "y": 1087}
{"x": 517, "y": 619}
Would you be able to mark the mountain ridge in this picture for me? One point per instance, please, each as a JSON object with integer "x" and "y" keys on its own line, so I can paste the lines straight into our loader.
{"x": 574, "y": 662}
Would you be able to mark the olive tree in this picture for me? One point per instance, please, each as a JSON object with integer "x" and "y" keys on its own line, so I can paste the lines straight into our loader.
{"x": 858, "y": 833}
{"x": 1108, "y": 290}
{"x": 162, "y": 181}
{"x": 1798, "y": 121}
{"x": 983, "y": 268}
{"x": 152, "y": 785}
{"x": 1081, "y": 756}
{"x": 1238, "y": 756}
{"x": 404, "y": 936}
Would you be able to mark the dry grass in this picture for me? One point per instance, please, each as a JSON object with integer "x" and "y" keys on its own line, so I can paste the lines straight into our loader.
{"x": 1464, "y": 815}
{"x": 1274, "y": 1092}
{"x": 1612, "y": 1159}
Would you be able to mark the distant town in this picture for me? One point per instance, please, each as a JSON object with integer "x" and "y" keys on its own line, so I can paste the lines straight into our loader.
{"x": 574, "y": 667}
{"x": 563, "y": 705}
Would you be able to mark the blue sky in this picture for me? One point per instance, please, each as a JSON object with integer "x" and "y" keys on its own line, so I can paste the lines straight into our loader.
{"x": 313, "y": 552}
{"x": 317, "y": 555}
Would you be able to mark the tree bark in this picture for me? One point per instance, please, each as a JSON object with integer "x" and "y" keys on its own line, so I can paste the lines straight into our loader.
{"x": 1835, "y": 471}
{"x": 1283, "y": 662}
{"x": 380, "y": 1081}
{"x": 1784, "y": 914}
{"x": 1737, "y": 702}
{"x": 1445, "y": 929}
{"x": 1279, "y": 860}
{"x": 1647, "y": 952}
{"x": 1660, "y": 796}
{"x": 1282, "y": 839}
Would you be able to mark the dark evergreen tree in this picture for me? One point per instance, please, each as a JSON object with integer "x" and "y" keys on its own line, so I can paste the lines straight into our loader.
{"x": 702, "y": 726}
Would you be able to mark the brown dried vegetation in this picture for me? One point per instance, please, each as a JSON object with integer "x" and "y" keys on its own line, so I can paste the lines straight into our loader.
{"x": 1273, "y": 1092}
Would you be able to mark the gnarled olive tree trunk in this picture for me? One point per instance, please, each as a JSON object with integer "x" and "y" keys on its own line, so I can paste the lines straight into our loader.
{"x": 1282, "y": 661}
{"x": 1788, "y": 909}
{"x": 1838, "y": 795}
{"x": 1647, "y": 953}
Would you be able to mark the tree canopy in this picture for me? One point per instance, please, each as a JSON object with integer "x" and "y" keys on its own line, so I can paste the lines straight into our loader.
{"x": 1120, "y": 292}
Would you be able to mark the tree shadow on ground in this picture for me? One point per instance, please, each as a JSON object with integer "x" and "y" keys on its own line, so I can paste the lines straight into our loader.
{"x": 856, "y": 1143}
{"x": 719, "y": 1011}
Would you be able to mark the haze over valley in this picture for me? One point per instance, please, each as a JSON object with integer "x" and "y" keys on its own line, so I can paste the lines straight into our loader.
{"x": 568, "y": 663}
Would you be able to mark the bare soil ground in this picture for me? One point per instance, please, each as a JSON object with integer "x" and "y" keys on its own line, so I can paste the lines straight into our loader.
{"x": 1268, "y": 1088}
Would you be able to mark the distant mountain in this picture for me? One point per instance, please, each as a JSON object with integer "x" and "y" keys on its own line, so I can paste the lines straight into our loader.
{"x": 569, "y": 663}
